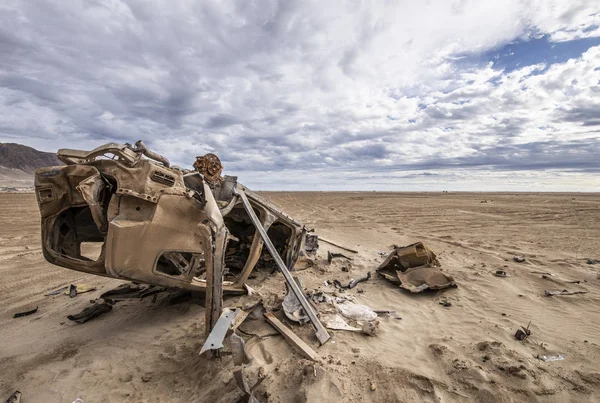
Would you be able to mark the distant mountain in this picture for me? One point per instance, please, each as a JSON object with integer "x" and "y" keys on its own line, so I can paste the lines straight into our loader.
{"x": 18, "y": 156}
{"x": 19, "y": 162}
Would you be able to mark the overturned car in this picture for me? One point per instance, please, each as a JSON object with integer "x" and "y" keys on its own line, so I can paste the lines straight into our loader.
{"x": 123, "y": 211}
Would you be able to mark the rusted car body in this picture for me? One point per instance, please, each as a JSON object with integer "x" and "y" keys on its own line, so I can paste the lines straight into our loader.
{"x": 157, "y": 224}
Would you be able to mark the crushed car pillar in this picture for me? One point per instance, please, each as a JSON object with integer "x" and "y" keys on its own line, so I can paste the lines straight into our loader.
{"x": 214, "y": 272}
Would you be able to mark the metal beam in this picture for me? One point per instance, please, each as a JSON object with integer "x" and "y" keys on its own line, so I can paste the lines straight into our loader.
{"x": 321, "y": 333}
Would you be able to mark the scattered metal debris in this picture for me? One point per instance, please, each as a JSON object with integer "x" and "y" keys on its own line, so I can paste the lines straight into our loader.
{"x": 25, "y": 313}
{"x": 546, "y": 277}
{"x": 446, "y": 303}
{"x": 292, "y": 307}
{"x": 414, "y": 255}
{"x": 593, "y": 261}
{"x": 75, "y": 289}
{"x": 549, "y": 358}
{"x": 320, "y": 296}
{"x": 254, "y": 311}
{"x": 321, "y": 333}
{"x": 336, "y": 322}
{"x": 291, "y": 337}
{"x": 422, "y": 278}
{"x": 56, "y": 292}
{"x": 563, "y": 292}
{"x": 501, "y": 273}
{"x": 338, "y": 285}
{"x": 15, "y": 397}
{"x": 90, "y": 312}
{"x": 332, "y": 255}
{"x": 249, "y": 289}
{"x": 383, "y": 312}
{"x": 353, "y": 283}
{"x": 214, "y": 341}
{"x": 415, "y": 268}
{"x": 242, "y": 383}
{"x": 238, "y": 349}
{"x": 519, "y": 259}
{"x": 130, "y": 290}
{"x": 523, "y": 333}
{"x": 336, "y": 245}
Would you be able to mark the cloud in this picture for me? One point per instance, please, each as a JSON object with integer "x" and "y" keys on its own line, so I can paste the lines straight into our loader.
{"x": 352, "y": 93}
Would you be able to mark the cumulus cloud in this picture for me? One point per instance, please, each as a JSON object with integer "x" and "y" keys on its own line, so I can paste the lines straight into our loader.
{"x": 355, "y": 94}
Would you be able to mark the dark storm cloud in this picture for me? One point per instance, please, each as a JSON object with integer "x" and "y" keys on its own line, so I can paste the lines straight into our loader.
{"x": 587, "y": 115}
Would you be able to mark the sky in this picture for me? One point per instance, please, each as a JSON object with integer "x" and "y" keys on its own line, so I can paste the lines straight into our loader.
{"x": 463, "y": 95}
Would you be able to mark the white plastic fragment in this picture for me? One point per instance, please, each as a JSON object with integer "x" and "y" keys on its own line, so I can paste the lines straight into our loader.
{"x": 336, "y": 322}
{"x": 356, "y": 311}
{"x": 548, "y": 358}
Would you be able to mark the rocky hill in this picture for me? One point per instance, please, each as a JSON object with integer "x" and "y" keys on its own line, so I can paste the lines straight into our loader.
{"x": 19, "y": 162}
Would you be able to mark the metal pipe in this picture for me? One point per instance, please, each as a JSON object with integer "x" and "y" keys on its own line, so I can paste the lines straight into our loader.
{"x": 141, "y": 147}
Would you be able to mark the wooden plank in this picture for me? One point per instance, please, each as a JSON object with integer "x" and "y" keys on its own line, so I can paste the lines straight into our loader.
{"x": 296, "y": 342}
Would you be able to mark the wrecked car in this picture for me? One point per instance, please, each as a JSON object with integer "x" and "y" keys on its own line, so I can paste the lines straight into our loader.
{"x": 123, "y": 211}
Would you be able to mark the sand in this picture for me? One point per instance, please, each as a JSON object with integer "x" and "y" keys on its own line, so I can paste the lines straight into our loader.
{"x": 425, "y": 352}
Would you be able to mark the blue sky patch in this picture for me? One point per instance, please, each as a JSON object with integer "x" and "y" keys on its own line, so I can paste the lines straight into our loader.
{"x": 521, "y": 53}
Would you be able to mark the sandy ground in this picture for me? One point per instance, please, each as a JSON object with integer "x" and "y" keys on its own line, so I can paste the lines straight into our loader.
{"x": 144, "y": 351}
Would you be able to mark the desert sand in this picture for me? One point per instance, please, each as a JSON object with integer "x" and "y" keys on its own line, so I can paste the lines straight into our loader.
{"x": 424, "y": 352}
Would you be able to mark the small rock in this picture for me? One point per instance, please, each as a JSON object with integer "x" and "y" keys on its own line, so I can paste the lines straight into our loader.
{"x": 516, "y": 371}
{"x": 373, "y": 386}
{"x": 126, "y": 378}
{"x": 371, "y": 328}
{"x": 356, "y": 350}
{"x": 146, "y": 378}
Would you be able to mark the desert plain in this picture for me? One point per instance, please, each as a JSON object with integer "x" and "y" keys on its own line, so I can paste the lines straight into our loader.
{"x": 145, "y": 351}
